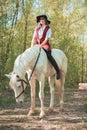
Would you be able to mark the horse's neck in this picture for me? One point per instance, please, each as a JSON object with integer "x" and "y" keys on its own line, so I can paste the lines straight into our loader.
{"x": 24, "y": 62}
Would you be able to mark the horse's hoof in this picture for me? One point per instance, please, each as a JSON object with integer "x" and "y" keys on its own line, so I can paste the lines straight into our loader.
{"x": 31, "y": 113}
{"x": 42, "y": 116}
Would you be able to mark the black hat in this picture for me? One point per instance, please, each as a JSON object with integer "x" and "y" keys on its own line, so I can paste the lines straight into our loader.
{"x": 42, "y": 16}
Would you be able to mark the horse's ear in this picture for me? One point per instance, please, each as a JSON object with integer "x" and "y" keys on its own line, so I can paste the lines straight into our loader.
{"x": 8, "y": 75}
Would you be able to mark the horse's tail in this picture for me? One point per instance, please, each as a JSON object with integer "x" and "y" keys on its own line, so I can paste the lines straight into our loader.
{"x": 64, "y": 64}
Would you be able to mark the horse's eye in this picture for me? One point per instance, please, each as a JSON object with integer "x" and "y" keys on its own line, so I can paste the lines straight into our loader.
{"x": 19, "y": 86}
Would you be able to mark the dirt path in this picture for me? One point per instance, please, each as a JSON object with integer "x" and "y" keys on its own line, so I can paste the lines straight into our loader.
{"x": 73, "y": 117}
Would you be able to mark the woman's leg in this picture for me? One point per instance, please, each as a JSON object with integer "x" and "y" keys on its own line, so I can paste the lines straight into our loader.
{"x": 53, "y": 62}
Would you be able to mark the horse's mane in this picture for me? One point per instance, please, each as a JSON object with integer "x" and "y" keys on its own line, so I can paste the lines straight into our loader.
{"x": 28, "y": 55}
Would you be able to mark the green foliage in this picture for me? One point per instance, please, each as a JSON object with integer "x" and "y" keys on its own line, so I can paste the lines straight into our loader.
{"x": 17, "y": 23}
{"x": 85, "y": 107}
{"x": 5, "y": 102}
{"x": 72, "y": 50}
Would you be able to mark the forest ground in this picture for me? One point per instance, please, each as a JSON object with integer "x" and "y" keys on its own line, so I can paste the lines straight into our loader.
{"x": 13, "y": 116}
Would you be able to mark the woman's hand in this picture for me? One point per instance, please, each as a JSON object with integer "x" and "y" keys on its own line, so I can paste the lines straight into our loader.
{"x": 40, "y": 45}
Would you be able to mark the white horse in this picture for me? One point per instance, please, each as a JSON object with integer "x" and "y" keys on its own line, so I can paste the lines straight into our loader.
{"x": 25, "y": 63}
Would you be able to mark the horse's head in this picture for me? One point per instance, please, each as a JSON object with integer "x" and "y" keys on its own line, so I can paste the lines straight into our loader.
{"x": 18, "y": 85}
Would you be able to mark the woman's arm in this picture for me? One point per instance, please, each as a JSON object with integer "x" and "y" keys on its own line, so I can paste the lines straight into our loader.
{"x": 44, "y": 42}
{"x": 48, "y": 36}
{"x": 33, "y": 39}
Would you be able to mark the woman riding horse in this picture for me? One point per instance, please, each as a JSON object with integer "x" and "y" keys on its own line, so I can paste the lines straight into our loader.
{"x": 41, "y": 36}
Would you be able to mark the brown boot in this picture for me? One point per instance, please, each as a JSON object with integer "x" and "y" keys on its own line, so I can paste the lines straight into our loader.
{"x": 58, "y": 76}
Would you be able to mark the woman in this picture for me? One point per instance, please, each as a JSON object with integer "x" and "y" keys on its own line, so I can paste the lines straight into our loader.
{"x": 41, "y": 37}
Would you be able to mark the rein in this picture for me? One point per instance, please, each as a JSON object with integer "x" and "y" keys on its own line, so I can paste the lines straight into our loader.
{"x": 35, "y": 64}
{"x": 22, "y": 87}
{"x": 23, "y": 81}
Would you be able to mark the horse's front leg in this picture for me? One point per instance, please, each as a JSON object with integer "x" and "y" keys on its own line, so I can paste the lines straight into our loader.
{"x": 41, "y": 95}
{"x": 51, "y": 83}
{"x": 33, "y": 93}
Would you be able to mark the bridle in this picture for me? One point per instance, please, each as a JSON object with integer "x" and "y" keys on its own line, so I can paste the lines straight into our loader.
{"x": 22, "y": 84}
{"x": 23, "y": 81}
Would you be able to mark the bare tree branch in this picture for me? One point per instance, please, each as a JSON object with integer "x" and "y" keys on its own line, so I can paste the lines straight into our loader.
{"x": 78, "y": 19}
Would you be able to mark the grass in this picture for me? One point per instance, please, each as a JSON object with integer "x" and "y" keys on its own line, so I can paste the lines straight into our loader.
{"x": 6, "y": 98}
{"x": 85, "y": 108}
{"x": 6, "y": 102}
{"x": 78, "y": 129}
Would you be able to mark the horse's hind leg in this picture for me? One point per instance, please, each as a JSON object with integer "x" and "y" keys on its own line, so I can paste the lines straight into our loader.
{"x": 60, "y": 86}
{"x": 51, "y": 83}
{"x": 33, "y": 93}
